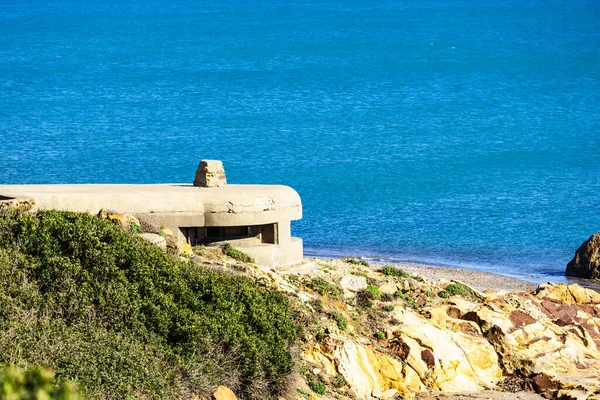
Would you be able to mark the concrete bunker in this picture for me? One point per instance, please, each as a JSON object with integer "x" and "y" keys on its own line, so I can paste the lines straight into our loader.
{"x": 266, "y": 233}
{"x": 256, "y": 219}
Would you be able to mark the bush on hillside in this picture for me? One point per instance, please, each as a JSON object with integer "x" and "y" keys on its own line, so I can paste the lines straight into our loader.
{"x": 34, "y": 384}
{"x": 119, "y": 316}
{"x": 393, "y": 271}
{"x": 454, "y": 289}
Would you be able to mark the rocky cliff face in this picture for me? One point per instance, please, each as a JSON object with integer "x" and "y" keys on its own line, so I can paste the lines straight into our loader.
{"x": 370, "y": 335}
{"x": 586, "y": 263}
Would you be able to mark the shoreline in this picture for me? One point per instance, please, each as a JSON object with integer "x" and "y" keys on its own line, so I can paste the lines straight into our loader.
{"x": 477, "y": 279}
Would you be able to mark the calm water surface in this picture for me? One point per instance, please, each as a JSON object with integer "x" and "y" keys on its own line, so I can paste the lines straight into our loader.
{"x": 450, "y": 132}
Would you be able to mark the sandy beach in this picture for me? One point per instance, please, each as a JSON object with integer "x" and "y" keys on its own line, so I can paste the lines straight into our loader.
{"x": 481, "y": 281}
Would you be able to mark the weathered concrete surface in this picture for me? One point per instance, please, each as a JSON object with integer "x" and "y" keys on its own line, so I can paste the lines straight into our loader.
{"x": 176, "y": 206}
{"x": 263, "y": 200}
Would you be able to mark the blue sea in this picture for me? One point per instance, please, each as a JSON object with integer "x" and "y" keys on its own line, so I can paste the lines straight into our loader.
{"x": 446, "y": 132}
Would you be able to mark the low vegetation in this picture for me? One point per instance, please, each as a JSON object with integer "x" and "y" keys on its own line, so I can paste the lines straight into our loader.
{"x": 340, "y": 319}
{"x": 122, "y": 318}
{"x": 454, "y": 289}
{"x": 35, "y": 383}
{"x": 240, "y": 256}
{"x": 323, "y": 287}
{"x": 317, "y": 387}
{"x": 374, "y": 291}
{"x": 411, "y": 302}
{"x": 392, "y": 271}
{"x": 356, "y": 261}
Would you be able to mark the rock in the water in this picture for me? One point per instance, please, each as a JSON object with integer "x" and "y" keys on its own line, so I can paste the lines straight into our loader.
{"x": 210, "y": 173}
{"x": 586, "y": 263}
{"x": 155, "y": 239}
{"x": 224, "y": 393}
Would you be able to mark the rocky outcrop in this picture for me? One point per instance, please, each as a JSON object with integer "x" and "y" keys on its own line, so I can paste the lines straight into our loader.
{"x": 550, "y": 338}
{"x": 545, "y": 341}
{"x": 351, "y": 284}
{"x": 127, "y": 222}
{"x": 155, "y": 239}
{"x": 210, "y": 173}
{"x": 404, "y": 339}
{"x": 586, "y": 263}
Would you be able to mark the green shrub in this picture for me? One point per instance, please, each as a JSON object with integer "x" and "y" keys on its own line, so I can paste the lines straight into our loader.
{"x": 379, "y": 335}
{"x": 389, "y": 271}
{"x": 323, "y": 287}
{"x": 320, "y": 336}
{"x": 374, "y": 290}
{"x": 406, "y": 298}
{"x": 454, "y": 289}
{"x": 340, "y": 381}
{"x": 121, "y": 317}
{"x": 317, "y": 387}
{"x": 135, "y": 228}
{"x": 340, "y": 319}
{"x": 356, "y": 261}
{"x": 34, "y": 384}
{"x": 388, "y": 308}
{"x": 236, "y": 254}
{"x": 392, "y": 271}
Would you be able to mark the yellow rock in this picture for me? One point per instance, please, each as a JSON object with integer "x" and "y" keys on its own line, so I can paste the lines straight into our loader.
{"x": 363, "y": 368}
{"x": 224, "y": 393}
{"x": 166, "y": 231}
{"x": 127, "y": 222}
{"x": 568, "y": 294}
{"x": 185, "y": 249}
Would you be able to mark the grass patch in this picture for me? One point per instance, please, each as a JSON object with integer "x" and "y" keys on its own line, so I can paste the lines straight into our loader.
{"x": 237, "y": 255}
{"x": 135, "y": 228}
{"x": 393, "y": 271}
{"x": 317, "y": 387}
{"x": 388, "y": 308}
{"x": 122, "y": 318}
{"x": 374, "y": 291}
{"x": 340, "y": 381}
{"x": 323, "y": 287}
{"x": 356, "y": 261}
{"x": 320, "y": 336}
{"x": 340, "y": 319}
{"x": 454, "y": 289}
{"x": 411, "y": 302}
{"x": 379, "y": 335}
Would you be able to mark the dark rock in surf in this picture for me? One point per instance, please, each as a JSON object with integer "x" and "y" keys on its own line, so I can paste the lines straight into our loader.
{"x": 586, "y": 263}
